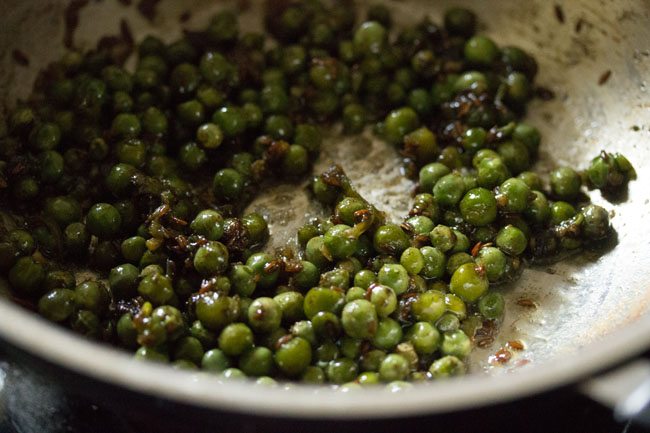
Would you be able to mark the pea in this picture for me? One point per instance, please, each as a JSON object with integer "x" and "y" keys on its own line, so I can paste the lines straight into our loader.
{"x": 209, "y": 224}
{"x": 565, "y": 183}
{"x": 293, "y": 356}
{"x": 456, "y": 343}
{"x": 491, "y": 305}
{"x": 257, "y": 362}
{"x": 211, "y": 259}
{"x": 424, "y": 337}
{"x": 388, "y": 334}
{"x": 430, "y": 174}
{"x": 400, "y": 122}
{"x": 393, "y": 367}
{"x": 511, "y": 240}
{"x": 449, "y": 190}
{"x": 478, "y": 207}
{"x": 460, "y": 22}
{"x": 359, "y": 319}
{"x": 469, "y": 282}
{"x": 434, "y": 262}
{"x": 26, "y": 276}
{"x": 390, "y": 239}
{"x": 447, "y": 366}
{"x": 215, "y": 360}
{"x": 215, "y": 310}
{"x": 57, "y": 305}
{"x": 480, "y": 50}
{"x": 370, "y": 37}
{"x": 235, "y": 339}
{"x": 264, "y": 315}
{"x": 322, "y": 299}
{"x": 394, "y": 276}
{"x": 514, "y": 195}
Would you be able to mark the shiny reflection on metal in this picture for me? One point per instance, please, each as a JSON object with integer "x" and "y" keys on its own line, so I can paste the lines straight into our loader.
{"x": 590, "y": 310}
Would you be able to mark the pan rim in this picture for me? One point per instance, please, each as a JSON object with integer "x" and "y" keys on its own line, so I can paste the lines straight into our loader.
{"x": 61, "y": 347}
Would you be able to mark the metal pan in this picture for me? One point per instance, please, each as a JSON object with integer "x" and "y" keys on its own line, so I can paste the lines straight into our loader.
{"x": 588, "y": 312}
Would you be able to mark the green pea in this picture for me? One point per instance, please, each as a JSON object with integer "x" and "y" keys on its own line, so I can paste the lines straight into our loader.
{"x": 209, "y": 224}
{"x": 424, "y": 337}
{"x": 211, "y": 259}
{"x": 511, "y": 240}
{"x": 412, "y": 260}
{"x": 216, "y": 310}
{"x": 514, "y": 195}
{"x": 565, "y": 183}
{"x": 157, "y": 288}
{"x": 539, "y": 210}
{"x": 26, "y": 276}
{"x": 57, "y": 305}
{"x": 52, "y": 166}
{"x": 447, "y": 366}
{"x": 460, "y": 22}
{"x": 364, "y": 278}
{"x": 481, "y": 50}
{"x": 596, "y": 222}
{"x": 322, "y": 299}
{"x": 469, "y": 282}
{"x": 293, "y": 356}
{"x": 515, "y": 156}
{"x": 434, "y": 262}
{"x": 491, "y": 305}
{"x": 259, "y": 263}
{"x": 390, "y": 239}
{"x": 430, "y": 174}
{"x": 264, "y": 315}
{"x": 152, "y": 354}
{"x": 494, "y": 262}
{"x": 478, "y": 207}
{"x": 400, "y": 122}
{"x": 456, "y": 343}
{"x": 359, "y": 319}
{"x": 215, "y": 361}
{"x": 388, "y": 334}
{"x": 561, "y": 211}
{"x": 473, "y": 81}
{"x": 394, "y": 276}
{"x": 228, "y": 184}
{"x": 492, "y": 172}
{"x": 257, "y": 362}
{"x": 103, "y": 220}
{"x": 235, "y": 339}
{"x": 420, "y": 225}
{"x": 292, "y": 306}
{"x": 393, "y": 367}
{"x": 428, "y": 306}
{"x": 370, "y": 37}
{"x": 449, "y": 190}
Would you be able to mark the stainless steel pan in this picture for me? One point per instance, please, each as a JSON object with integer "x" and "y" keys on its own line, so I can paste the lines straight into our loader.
{"x": 588, "y": 312}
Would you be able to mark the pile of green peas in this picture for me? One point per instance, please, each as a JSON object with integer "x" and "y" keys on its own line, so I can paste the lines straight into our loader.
{"x": 143, "y": 175}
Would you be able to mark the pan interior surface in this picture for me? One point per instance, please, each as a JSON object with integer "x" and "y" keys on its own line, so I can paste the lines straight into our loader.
{"x": 575, "y": 316}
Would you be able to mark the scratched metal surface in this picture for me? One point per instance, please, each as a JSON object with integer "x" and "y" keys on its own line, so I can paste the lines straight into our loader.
{"x": 577, "y": 301}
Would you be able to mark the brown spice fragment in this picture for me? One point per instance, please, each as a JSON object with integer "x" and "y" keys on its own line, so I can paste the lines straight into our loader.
{"x": 559, "y": 13}
{"x": 544, "y": 93}
{"x": 523, "y": 302}
{"x": 515, "y": 345}
{"x": 604, "y": 77}
{"x": 20, "y": 58}
{"x": 71, "y": 19}
{"x": 502, "y": 356}
{"x": 185, "y": 17}
{"x": 147, "y": 8}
